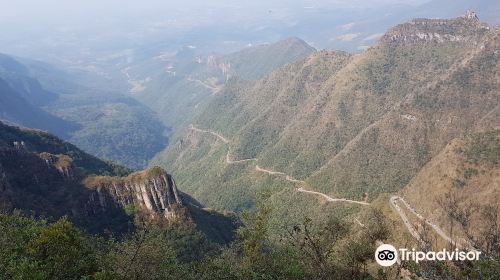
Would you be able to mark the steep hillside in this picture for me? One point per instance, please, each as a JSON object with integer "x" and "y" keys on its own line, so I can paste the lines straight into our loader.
{"x": 44, "y": 176}
{"x": 16, "y": 109}
{"x": 256, "y": 62}
{"x": 462, "y": 182}
{"x": 189, "y": 80}
{"x": 349, "y": 126}
{"x": 114, "y": 127}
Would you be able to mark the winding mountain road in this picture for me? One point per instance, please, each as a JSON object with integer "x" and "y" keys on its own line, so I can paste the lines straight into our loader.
{"x": 213, "y": 88}
{"x": 328, "y": 198}
{"x": 393, "y": 200}
{"x": 272, "y": 172}
{"x": 222, "y": 138}
{"x": 230, "y": 161}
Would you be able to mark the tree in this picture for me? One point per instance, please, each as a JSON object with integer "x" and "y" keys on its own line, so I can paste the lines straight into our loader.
{"x": 143, "y": 255}
{"x": 63, "y": 252}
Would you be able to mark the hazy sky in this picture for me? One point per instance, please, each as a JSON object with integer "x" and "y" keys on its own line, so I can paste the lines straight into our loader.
{"x": 62, "y": 10}
{"x": 82, "y": 28}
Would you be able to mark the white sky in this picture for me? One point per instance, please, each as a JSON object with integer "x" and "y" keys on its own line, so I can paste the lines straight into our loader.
{"x": 55, "y": 10}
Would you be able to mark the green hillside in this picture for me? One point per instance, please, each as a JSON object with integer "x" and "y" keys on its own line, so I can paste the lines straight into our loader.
{"x": 350, "y": 126}
{"x": 190, "y": 81}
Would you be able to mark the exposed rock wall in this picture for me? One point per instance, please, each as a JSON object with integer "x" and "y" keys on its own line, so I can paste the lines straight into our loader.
{"x": 466, "y": 28}
{"x": 152, "y": 192}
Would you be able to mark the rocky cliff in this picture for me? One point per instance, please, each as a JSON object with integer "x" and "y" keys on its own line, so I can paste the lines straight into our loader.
{"x": 43, "y": 176}
{"x": 66, "y": 189}
{"x": 467, "y": 28}
{"x": 152, "y": 192}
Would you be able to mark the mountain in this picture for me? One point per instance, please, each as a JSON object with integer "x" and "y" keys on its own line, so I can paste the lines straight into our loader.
{"x": 104, "y": 123}
{"x": 254, "y": 63}
{"x": 349, "y": 126}
{"x": 190, "y": 80}
{"x": 114, "y": 127}
{"x": 18, "y": 77}
{"x": 356, "y": 29}
{"x": 16, "y": 109}
{"x": 22, "y": 96}
{"x": 47, "y": 177}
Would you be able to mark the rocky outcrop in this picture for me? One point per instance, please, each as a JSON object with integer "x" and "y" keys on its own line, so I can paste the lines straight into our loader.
{"x": 62, "y": 163}
{"x": 467, "y": 28}
{"x": 53, "y": 184}
{"x": 43, "y": 176}
{"x": 152, "y": 192}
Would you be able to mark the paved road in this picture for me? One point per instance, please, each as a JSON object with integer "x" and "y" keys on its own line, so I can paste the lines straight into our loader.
{"x": 435, "y": 227}
{"x": 328, "y": 198}
{"x": 393, "y": 200}
{"x": 230, "y": 161}
{"x": 192, "y": 127}
{"x": 272, "y": 172}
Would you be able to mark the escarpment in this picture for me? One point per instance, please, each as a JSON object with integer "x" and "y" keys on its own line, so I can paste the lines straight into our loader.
{"x": 56, "y": 186}
{"x": 153, "y": 192}
{"x": 42, "y": 175}
{"x": 465, "y": 29}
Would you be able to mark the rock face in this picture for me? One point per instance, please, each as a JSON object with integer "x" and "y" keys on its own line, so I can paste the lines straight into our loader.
{"x": 54, "y": 180}
{"x": 54, "y": 186}
{"x": 466, "y": 28}
{"x": 153, "y": 192}
{"x": 62, "y": 163}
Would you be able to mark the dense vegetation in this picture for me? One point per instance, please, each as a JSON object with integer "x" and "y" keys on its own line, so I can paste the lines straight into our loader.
{"x": 45, "y": 250}
{"x": 118, "y": 130}
{"x": 38, "y": 249}
{"x": 40, "y": 141}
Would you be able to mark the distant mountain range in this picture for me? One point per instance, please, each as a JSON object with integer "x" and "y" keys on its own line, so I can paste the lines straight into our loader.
{"x": 398, "y": 143}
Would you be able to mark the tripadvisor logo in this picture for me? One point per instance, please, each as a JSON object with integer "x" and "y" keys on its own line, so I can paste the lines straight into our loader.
{"x": 387, "y": 255}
